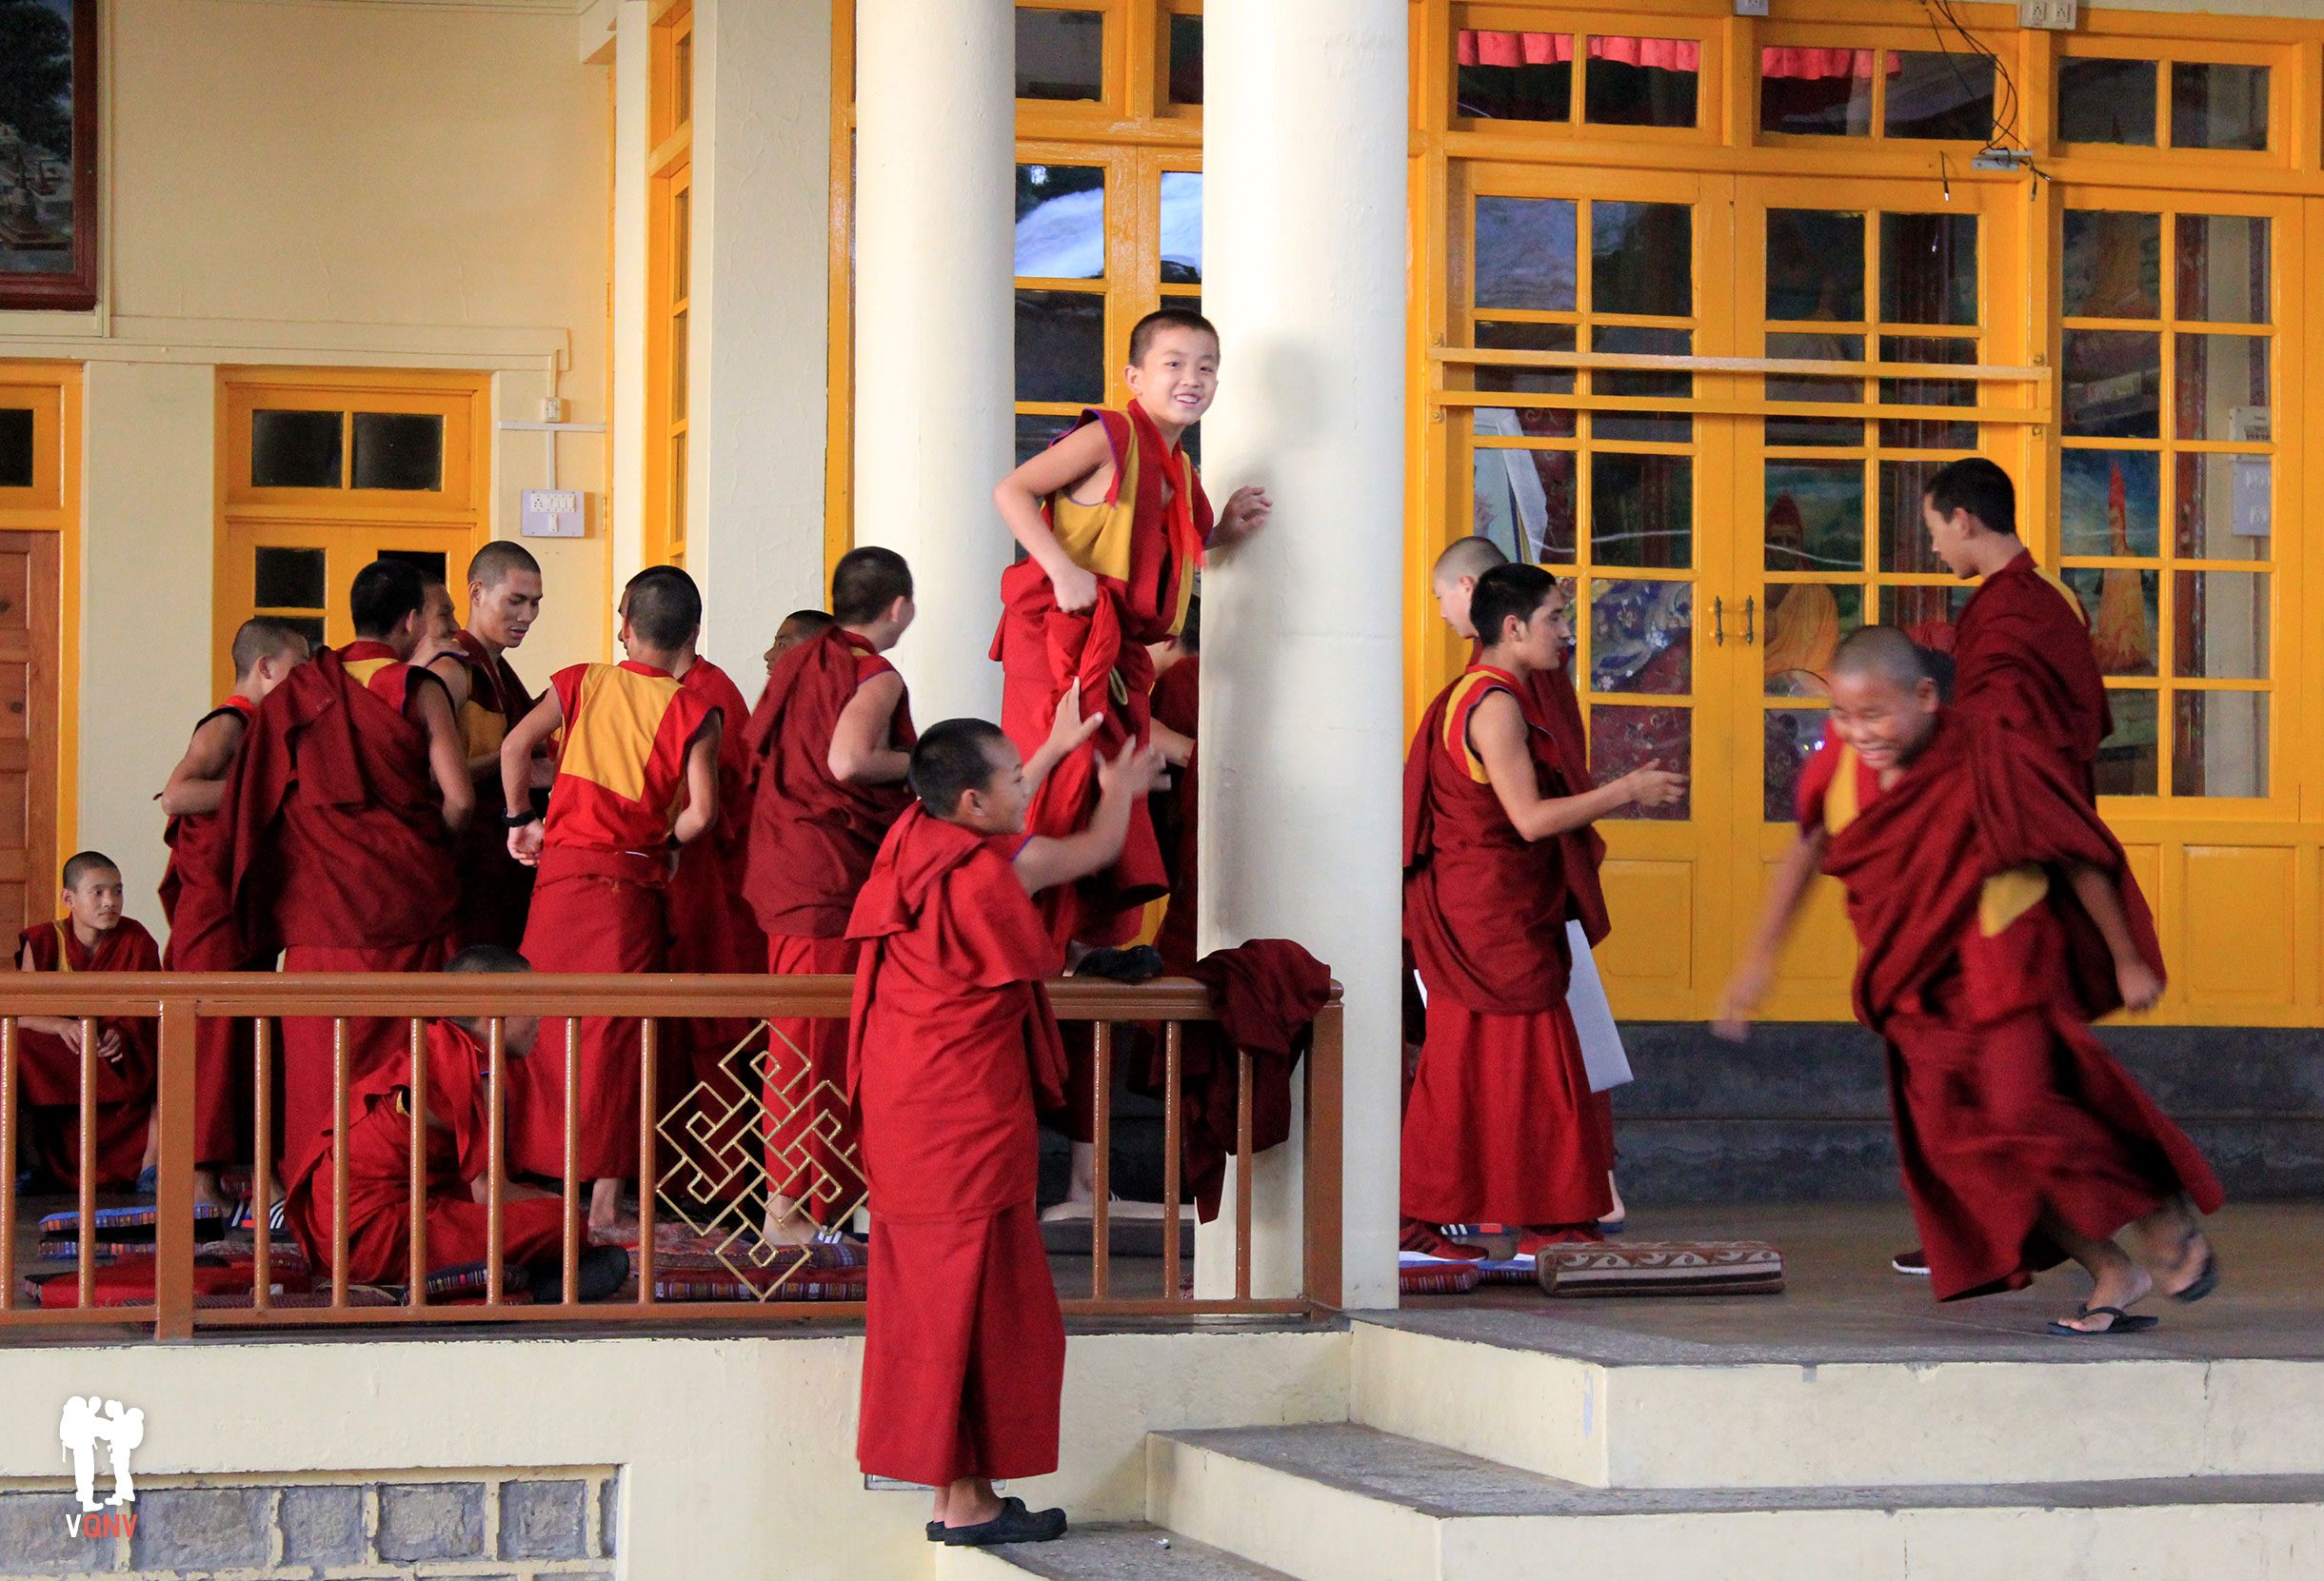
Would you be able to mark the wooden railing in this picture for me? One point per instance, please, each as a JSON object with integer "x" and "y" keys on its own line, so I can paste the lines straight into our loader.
{"x": 175, "y": 1002}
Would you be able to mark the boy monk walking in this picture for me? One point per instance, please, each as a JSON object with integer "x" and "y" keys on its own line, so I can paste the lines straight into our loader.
{"x": 198, "y": 907}
{"x": 952, "y": 1049}
{"x": 1995, "y": 915}
{"x": 638, "y": 778}
{"x": 1499, "y": 1127}
{"x": 504, "y": 584}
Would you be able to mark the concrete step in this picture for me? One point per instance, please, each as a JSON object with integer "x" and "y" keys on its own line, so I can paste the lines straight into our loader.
{"x": 1585, "y": 1402}
{"x": 1124, "y": 1553}
{"x": 1348, "y": 1503}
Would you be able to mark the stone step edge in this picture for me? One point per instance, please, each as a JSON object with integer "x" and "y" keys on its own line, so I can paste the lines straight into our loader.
{"x": 1117, "y": 1551}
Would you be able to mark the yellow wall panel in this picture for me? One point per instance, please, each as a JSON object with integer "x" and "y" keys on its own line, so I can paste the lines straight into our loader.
{"x": 1820, "y": 954}
{"x": 1653, "y": 909}
{"x": 2237, "y": 925}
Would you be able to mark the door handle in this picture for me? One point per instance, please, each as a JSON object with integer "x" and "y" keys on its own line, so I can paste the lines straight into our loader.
{"x": 1718, "y": 624}
{"x": 1750, "y": 631}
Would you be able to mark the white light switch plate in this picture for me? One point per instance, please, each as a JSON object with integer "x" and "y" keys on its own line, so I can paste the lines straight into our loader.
{"x": 2056, "y": 16}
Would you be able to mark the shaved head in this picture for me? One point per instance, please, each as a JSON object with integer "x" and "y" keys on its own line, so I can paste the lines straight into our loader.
{"x": 494, "y": 562}
{"x": 1468, "y": 557}
{"x": 1886, "y": 652}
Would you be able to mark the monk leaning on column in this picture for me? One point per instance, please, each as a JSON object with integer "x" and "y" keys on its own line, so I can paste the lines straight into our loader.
{"x": 197, "y": 906}
{"x": 1995, "y": 915}
{"x": 637, "y": 779}
{"x": 828, "y": 748}
{"x": 952, "y": 1049}
{"x": 1499, "y": 1128}
{"x": 343, "y": 808}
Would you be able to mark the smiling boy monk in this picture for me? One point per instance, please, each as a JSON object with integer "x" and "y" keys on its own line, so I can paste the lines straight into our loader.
{"x": 951, "y": 1049}
{"x": 504, "y": 586}
{"x": 92, "y": 936}
{"x": 1995, "y": 917}
{"x": 198, "y": 907}
{"x": 1499, "y": 1127}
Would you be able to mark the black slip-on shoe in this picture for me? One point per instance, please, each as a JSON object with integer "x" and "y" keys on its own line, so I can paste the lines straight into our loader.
{"x": 1014, "y": 1524}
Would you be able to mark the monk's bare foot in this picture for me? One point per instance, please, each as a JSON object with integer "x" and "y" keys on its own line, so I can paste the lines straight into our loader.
{"x": 2121, "y": 1287}
{"x": 208, "y": 1193}
{"x": 972, "y": 1502}
{"x": 1073, "y": 1210}
{"x": 785, "y": 1225}
{"x": 2186, "y": 1267}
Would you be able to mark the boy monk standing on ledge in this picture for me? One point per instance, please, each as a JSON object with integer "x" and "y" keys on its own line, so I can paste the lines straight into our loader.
{"x": 1995, "y": 917}
{"x": 951, "y": 1049}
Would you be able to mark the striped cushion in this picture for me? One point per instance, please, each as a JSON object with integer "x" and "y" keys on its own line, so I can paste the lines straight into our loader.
{"x": 1662, "y": 1268}
{"x": 1444, "y": 1279}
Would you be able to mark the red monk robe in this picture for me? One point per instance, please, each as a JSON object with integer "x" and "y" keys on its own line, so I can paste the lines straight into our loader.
{"x": 952, "y": 1049}
{"x": 1499, "y": 1127}
{"x": 600, "y": 902}
{"x": 50, "y": 1071}
{"x": 338, "y": 851}
{"x": 813, "y": 839}
{"x": 1142, "y": 542}
{"x": 2021, "y": 655}
{"x": 495, "y": 888}
{"x": 379, "y": 1174}
{"x": 1980, "y": 969}
{"x": 1176, "y": 811}
{"x": 197, "y": 905}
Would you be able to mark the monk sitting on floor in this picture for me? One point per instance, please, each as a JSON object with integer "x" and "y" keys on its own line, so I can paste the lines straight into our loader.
{"x": 951, "y": 1049}
{"x": 637, "y": 779}
{"x": 1995, "y": 917}
{"x": 197, "y": 907}
{"x": 1499, "y": 1127}
{"x": 92, "y": 936}
{"x": 458, "y": 1114}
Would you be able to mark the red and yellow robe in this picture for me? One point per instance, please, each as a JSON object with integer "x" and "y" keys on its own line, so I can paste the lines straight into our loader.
{"x": 952, "y": 1049}
{"x": 2021, "y": 655}
{"x": 813, "y": 839}
{"x": 1142, "y": 542}
{"x": 600, "y": 902}
{"x": 495, "y": 888}
{"x": 1980, "y": 969}
{"x": 48, "y": 1073}
{"x": 1501, "y": 1127}
{"x": 1177, "y": 814}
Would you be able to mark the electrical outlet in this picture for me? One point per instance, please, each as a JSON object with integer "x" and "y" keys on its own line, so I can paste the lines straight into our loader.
{"x": 2056, "y": 15}
{"x": 552, "y": 409}
{"x": 1751, "y": 7}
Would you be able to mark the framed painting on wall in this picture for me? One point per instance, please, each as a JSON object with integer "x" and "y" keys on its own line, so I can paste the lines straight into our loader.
{"x": 49, "y": 153}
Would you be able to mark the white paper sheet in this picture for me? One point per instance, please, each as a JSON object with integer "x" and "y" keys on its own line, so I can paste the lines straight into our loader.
{"x": 1585, "y": 996}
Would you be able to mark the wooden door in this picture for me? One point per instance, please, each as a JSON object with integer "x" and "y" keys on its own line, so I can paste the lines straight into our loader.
{"x": 28, "y": 716}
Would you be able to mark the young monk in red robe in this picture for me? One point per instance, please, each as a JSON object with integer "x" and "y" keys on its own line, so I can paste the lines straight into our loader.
{"x": 504, "y": 588}
{"x": 828, "y": 748}
{"x": 1558, "y": 707}
{"x": 344, "y": 804}
{"x": 92, "y": 936}
{"x": 458, "y": 1114}
{"x": 1995, "y": 917}
{"x": 796, "y": 627}
{"x": 1498, "y": 1128}
{"x": 951, "y": 1049}
{"x": 197, "y": 904}
{"x": 638, "y": 778}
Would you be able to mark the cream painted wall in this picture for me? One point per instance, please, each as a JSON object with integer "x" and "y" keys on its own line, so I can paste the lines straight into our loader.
{"x": 730, "y": 1449}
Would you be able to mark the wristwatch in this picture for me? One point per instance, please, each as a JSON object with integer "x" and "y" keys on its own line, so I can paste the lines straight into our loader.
{"x": 518, "y": 821}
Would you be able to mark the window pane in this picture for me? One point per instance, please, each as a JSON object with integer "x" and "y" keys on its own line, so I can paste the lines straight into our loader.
{"x": 428, "y": 562}
{"x": 288, "y": 578}
{"x": 1642, "y": 258}
{"x": 1507, "y": 76}
{"x": 2224, "y": 506}
{"x": 2112, "y": 265}
{"x": 1181, "y": 227}
{"x": 1525, "y": 253}
{"x": 1925, "y": 614}
{"x": 680, "y": 243}
{"x": 2128, "y": 758}
{"x": 1035, "y": 431}
{"x": 1059, "y": 54}
{"x": 1639, "y": 340}
{"x": 1642, "y": 82}
{"x": 683, "y": 63}
{"x": 1815, "y": 430}
{"x": 293, "y": 449}
{"x": 1060, "y": 222}
{"x": 16, "y": 447}
{"x": 1815, "y": 265}
{"x": 1904, "y": 532}
{"x": 677, "y": 493}
{"x": 1928, "y": 269}
{"x": 1939, "y": 93}
{"x": 1623, "y": 739}
{"x": 1642, "y": 637}
{"x": 2123, "y": 608}
{"x": 2106, "y": 101}
{"x": 2220, "y": 389}
{"x": 309, "y": 627}
{"x": 2218, "y": 107}
{"x": 1642, "y": 510}
{"x": 2220, "y": 743}
{"x": 1526, "y": 422}
{"x": 1185, "y": 59}
{"x": 1497, "y": 336}
{"x": 2222, "y": 268}
{"x": 1524, "y": 502}
{"x": 1061, "y": 347}
{"x": 1815, "y": 519}
{"x": 1791, "y": 736}
{"x": 1909, "y": 433}
{"x": 2219, "y": 624}
{"x": 680, "y": 345}
{"x": 1816, "y": 93}
{"x": 1802, "y": 624}
{"x": 2114, "y": 384}
{"x": 398, "y": 450}
{"x": 2107, "y": 503}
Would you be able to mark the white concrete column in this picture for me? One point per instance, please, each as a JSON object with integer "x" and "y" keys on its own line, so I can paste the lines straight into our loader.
{"x": 1303, "y": 221}
{"x": 934, "y": 328}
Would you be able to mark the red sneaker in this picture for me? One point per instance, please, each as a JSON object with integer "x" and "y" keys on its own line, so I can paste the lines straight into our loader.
{"x": 1425, "y": 1240}
{"x": 1535, "y": 1236}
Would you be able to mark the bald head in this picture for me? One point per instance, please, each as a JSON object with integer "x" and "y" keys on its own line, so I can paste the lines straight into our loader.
{"x": 493, "y": 563}
{"x": 1468, "y": 557}
{"x": 1884, "y": 653}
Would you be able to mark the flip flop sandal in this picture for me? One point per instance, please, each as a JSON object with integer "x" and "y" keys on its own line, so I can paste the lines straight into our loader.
{"x": 2118, "y": 1322}
{"x": 2203, "y": 1283}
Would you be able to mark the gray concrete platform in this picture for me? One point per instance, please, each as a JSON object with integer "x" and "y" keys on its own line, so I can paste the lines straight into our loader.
{"x": 1129, "y": 1551}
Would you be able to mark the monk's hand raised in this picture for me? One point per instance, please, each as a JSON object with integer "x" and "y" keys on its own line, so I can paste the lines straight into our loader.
{"x": 1246, "y": 513}
{"x": 525, "y": 844}
{"x": 1133, "y": 771}
{"x": 2138, "y": 983}
{"x": 1074, "y": 587}
{"x": 1069, "y": 729}
{"x": 1653, "y": 785}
